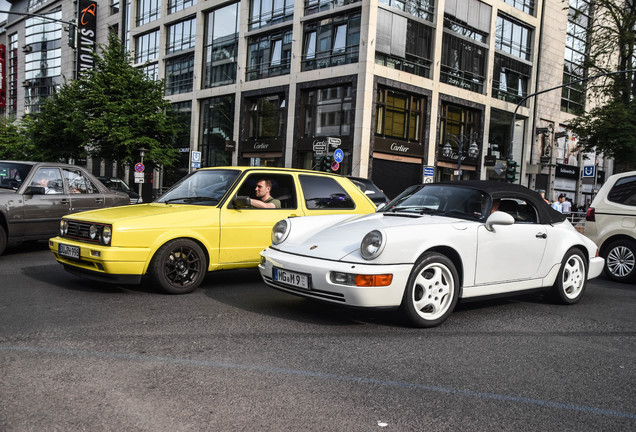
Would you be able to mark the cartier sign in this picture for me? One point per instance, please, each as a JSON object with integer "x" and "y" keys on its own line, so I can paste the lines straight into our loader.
{"x": 386, "y": 145}
{"x": 273, "y": 145}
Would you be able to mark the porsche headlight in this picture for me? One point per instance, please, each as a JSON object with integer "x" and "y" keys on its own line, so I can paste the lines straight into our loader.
{"x": 280, "y": 231}
{"x": 372, "y": 245}
{"x": 63, "y": 227}
{"x": 107, "y": 234}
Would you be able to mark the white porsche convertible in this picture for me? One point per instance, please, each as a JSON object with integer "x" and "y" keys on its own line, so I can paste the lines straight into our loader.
{"x": 429, "y": 247}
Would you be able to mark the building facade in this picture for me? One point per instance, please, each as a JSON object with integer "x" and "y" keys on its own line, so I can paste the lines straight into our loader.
{"x": 409, "y": 90}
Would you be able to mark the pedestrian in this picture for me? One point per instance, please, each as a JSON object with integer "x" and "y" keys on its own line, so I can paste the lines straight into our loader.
{"x": 558, "y": 204}
{"x": 566, "y": 206}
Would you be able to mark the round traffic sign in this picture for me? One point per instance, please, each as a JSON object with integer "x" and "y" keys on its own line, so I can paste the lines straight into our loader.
{"x": 139, "y": 167}
{"x": 338, "y": 155}
{"x": 334, "y": 166}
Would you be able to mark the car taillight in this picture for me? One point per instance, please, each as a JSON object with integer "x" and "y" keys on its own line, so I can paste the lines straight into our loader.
{"x": 589, "y": 216}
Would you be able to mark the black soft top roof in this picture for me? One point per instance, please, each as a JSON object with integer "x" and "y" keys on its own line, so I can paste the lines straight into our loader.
{"x": 547, "y": 215}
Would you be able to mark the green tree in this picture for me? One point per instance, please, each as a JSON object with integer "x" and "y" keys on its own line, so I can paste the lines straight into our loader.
{"x": 609, "y": 127}
{"x": 109, "y": 112}
{"x": 15, "y": 145}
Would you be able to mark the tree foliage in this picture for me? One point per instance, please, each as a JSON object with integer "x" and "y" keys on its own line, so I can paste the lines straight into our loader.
{"x": 15, "y": 145}
{"x": 109, "y": 112}
{"x": 610, "y": 127}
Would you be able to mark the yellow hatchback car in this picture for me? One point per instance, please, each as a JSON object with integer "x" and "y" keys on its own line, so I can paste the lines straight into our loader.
{"x": 211, "y": 220}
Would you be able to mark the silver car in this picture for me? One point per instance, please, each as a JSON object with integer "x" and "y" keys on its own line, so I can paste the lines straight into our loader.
{"x": 35, "y": 195}
{"x": 611, "y": 223}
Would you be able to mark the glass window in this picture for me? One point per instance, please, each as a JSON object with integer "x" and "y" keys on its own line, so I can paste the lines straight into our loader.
{"x": 264, "y": 13}
{"x": 324, "y": 193}
{"x": 327, "y": 111}
{"x": 268, "y": 55}
{"x": 624, "y": 191}
{"x": 398, "y": 115}
{"x": 266, "y": 117}
{"x": 49, "y": 179}
{"x": 526, "y": 6}
{"x": 573, "y": 96}
{"x": 78, "y": 183}
{"x": 43, "y": 60}
{"x": 179, "y": 74}
{"x": 221, "y": 46}
{"x": 177, "y": 5}
{"x": 510, "y": 79}
{"x": 331, "y": 42}
{"x": 413, "y": 54}
{"x": 181, "y": 36}
{"x": 418, "y": 8}
{"x": 147, "y": 11}
{"x": 151, "y": 70}
{"x": 217, "y": 127}
{"x": 513, "y": 38}
{"x": 282, "y": 188}
{"x": 463, "y": 63}
{"x": 147, "y": 47}
{"x": 12, "y": 73}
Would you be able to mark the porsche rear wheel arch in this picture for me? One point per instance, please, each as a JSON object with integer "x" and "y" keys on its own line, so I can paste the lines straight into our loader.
{"x": 432, "y": 290}
{"x": 179, "y": 266}
{"x": 571, "y": 280}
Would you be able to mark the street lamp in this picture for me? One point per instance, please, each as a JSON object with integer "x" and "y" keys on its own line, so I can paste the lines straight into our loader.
{"x": 459, "y": 140}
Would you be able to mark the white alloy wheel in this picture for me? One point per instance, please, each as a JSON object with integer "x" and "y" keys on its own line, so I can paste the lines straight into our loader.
{"x": 431, "y": 292}
{"x": 572, "y": 278}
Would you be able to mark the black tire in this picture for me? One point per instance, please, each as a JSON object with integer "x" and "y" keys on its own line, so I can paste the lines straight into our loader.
{"x": 572, "y": 278}
{"x": 620, "y": 261}
{"x": 3, "y": 240}
{"x": 178, "y": 267}
{"x": 431, "y": 292}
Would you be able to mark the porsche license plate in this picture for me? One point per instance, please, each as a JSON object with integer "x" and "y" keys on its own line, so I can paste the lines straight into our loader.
{"x": 294, "y": 279}
{"x": 69, "y": 251}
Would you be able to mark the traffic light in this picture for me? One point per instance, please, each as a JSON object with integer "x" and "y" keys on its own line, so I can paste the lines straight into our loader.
{"x": 511, "y": 171}
{"x": 325, "y": 164}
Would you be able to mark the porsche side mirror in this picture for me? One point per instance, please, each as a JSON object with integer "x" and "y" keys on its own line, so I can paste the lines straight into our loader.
{"x": 35, "y": 190}
{"x": 498, "y": 218}
{"x": 242, "y": 201}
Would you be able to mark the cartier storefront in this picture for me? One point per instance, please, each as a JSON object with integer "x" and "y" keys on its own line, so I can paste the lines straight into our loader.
{"x": 396, "y": 164}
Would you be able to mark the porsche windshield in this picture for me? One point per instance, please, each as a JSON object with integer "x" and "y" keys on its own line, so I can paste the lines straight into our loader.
{"x": 205, "y": 187}
{"x": 453, "y": 201}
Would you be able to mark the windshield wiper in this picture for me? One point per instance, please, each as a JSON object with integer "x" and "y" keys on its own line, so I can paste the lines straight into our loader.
{"x": 191, "y": 199}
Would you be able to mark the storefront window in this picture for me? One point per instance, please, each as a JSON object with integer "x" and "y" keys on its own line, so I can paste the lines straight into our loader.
{"x": 398, "y": 115}
{"x": 266, "y": 117}
{"x": 459, "y": 130}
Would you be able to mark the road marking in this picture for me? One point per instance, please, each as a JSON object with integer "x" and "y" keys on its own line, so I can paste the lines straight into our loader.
{"x": 328, "y": 376}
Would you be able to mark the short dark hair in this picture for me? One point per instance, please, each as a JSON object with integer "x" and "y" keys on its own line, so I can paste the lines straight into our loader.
{"x": 268, "y": 182}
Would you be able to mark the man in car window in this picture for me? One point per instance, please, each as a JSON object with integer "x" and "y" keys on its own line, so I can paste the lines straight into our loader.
{"x": 263, "y": 197}
{"x": 43, "y": 181}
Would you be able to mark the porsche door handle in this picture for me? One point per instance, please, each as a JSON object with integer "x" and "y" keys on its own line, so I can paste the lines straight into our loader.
{"x": 542, "y": 235}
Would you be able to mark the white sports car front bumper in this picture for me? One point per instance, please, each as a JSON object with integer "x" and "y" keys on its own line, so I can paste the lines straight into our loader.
{"x": 320, "y": 284}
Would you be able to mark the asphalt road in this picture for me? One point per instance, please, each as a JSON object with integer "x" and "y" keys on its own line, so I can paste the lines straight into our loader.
{"x": 238, "y": 356}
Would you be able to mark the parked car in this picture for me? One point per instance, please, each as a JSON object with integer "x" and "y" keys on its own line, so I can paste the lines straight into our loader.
{"x": 35, "y": 195}
{"x": 611, "y": 223}
{"x": 204, "y": 222}
{"x": 431, "y": 246}
{"x": 369, "y": 188}
{"x": 117, "y": 184}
